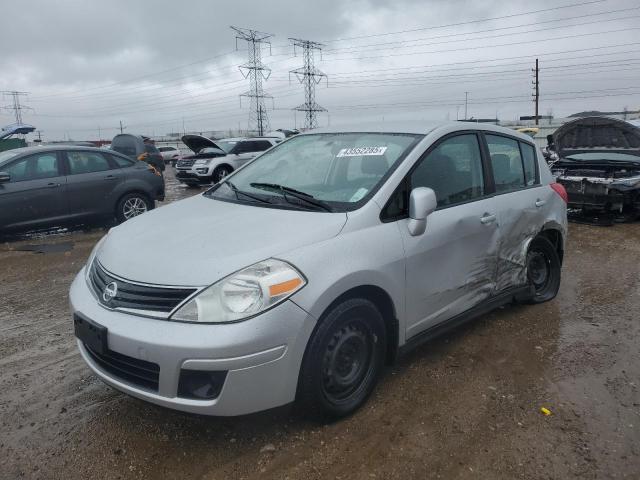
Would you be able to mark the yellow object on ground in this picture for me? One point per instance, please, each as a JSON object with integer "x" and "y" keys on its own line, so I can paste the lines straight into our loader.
{"x": 545, "y": 411}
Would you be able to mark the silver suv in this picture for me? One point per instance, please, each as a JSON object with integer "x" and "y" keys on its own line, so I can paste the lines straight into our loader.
{"x": 214, "y": 160}
{"x": 320, "y": 261}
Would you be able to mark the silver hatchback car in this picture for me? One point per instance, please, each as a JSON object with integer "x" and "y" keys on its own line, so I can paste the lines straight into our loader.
{"x": 301, "y": 274}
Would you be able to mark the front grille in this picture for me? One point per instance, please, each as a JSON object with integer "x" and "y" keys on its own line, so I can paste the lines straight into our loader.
{"x": 185, "y": 163}
{"x": 132, "y": 370}
{"x": 133, "y": 296}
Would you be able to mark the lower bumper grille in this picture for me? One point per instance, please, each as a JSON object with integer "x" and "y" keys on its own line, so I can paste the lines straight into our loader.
{"x": 132, "y": 370}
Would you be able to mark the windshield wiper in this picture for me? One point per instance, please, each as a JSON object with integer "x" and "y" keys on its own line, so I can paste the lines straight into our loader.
{"x": 305, "y": 197}
{"x": 240, "y": 192}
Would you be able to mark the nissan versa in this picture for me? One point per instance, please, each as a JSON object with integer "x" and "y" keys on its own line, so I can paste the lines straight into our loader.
{"x": 301, "y": 274}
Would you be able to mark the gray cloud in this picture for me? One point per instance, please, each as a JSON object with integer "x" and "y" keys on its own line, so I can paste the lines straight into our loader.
{"x": 69, "y": 54}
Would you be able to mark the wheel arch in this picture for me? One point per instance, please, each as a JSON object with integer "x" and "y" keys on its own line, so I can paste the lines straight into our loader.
{"x": 555, "y": 235}
{"x": 383, "y": 301}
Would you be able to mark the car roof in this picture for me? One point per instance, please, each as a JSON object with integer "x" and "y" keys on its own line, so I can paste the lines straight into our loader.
{"x": 43, "y": 148}
{"x": 417, "y": 127}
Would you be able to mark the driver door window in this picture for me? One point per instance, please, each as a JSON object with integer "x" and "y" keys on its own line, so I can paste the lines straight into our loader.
{"x": 453, "y": 170}
{"x": 34, "y": 167}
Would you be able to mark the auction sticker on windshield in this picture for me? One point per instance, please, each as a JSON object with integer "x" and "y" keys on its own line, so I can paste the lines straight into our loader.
{"x": 361, "y": 151}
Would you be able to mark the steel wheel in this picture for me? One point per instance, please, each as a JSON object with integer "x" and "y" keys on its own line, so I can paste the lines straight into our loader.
{"x": 543, "y": 270}
{"x": 346, "y": 361}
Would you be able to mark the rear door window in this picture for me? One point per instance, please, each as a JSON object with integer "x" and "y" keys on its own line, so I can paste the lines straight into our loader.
{"x": 506, "y": 162}
{"x": 260, "y": 145}
{"x": 529, "y": 161}
{"x": 87, "y": 162}
{"x": 34, "y": 167}
{"x": 121, "y": 162}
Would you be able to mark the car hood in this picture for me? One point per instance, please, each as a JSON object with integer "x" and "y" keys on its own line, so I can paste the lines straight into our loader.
{"x": 200, "y": 240}
{"x": 602, "y": 135}
{"x": 198, "y": 142}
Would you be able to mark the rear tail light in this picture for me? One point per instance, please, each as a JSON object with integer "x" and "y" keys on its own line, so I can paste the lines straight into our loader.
{"x": 560, "y": 190}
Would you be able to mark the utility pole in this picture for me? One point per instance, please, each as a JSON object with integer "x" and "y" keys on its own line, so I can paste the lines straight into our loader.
{"x": 122, "y": 127}
{"x": 16, "y": 106}
{"x": 466, "y": 101}
{"x": 309, "y": 76}
{"x": 536, "y": 89}
{"x": 256, "y": 72}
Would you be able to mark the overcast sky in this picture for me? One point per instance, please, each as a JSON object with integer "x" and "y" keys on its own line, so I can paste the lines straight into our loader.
{"x": 158, "y": 65}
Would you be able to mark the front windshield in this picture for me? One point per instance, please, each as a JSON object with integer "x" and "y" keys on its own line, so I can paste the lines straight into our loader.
{"x": 604, "y": 156}
{"x": 338, "y": 169}
{"x": 226, "y": 145}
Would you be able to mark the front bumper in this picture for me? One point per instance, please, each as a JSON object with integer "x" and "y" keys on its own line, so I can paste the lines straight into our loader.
{"x": 262, "y": 355}
{"x": 188, "y": 176}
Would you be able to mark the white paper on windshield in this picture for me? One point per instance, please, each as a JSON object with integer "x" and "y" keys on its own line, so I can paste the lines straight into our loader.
{"x": 361, "y": 192}
{"x": 361, "y": 151}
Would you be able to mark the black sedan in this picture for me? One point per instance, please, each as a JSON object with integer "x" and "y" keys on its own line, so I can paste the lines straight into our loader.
{"x": 64, "y": 185}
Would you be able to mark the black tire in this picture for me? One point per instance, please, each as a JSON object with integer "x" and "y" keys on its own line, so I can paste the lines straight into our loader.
{"x": 343, "y": 360}
{"x": 219, "y": 173}
{"x": 543, "y": 270}
{"x": 131, "y": 205}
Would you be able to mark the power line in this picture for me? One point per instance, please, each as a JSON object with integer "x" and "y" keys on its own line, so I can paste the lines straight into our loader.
{"x": 309, "y": 76}
{"x": 255, "y": 71}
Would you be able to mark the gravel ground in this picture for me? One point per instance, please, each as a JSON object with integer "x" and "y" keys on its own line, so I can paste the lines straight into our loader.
{"x": 466, "y": 405}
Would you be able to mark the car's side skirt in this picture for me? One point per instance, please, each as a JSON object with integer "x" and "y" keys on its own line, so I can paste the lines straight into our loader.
{"x": 503, "y": 298}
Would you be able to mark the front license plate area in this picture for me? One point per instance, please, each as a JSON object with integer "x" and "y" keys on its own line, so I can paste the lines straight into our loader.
{"x": 91, "y": 334}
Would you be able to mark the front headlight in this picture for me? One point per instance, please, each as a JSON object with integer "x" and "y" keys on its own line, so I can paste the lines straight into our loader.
{"x": 202, "y": 162}
{"x": 243, "y": 294}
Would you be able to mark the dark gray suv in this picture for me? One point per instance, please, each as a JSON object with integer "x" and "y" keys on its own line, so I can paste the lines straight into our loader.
{"x": 63, "y": 185}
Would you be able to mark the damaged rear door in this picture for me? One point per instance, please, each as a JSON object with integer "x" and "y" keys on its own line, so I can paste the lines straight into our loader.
{"x": 451, "y": 267}
{"x": 522, "y": 204}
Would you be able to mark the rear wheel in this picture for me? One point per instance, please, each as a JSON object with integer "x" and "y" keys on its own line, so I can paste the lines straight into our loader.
{"x": 132, "y": 205}
{"x": 220, "y": 173}
{"x": 543, "y": 270}
{"x": 343, "y": 360}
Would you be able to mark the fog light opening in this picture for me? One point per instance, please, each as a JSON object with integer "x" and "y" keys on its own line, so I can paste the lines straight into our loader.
{"x": 200, "y": 384}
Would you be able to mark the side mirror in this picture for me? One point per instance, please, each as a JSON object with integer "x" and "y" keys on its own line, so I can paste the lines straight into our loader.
{"x": 422, "y": 203}
{"x": 5, "y": 177}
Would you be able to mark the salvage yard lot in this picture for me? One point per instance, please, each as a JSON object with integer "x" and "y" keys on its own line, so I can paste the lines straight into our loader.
{"x": 466, "y": 405}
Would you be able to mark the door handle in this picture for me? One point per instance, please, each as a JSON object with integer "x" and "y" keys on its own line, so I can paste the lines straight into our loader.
{"x": 540, "y": 203}
{"x": 53, "y": 185}
{"x": 487, "y": 218}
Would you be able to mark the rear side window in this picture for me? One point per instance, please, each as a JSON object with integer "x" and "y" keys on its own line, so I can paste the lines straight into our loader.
{"x": 529, "y": 161}
{"x": 34, "y": 167}
{"x": 166, "y": 149}
{"x": 87, "y": 162}
{"x": 508, "y": 173}
{"x": 260, "y": 145}
{"x": 121, "y": 162}
{"x": 453, "y": 170}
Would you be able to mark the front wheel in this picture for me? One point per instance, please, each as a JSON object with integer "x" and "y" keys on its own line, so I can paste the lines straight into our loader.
{"x": 343, "y": 360}
{"x": 220, "y": 173}
{"x": 543, "y": 270}
{"x": 132, "y": 205}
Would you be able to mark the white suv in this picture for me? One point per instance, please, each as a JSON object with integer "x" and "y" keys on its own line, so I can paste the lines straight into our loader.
{"x": 214, "y": 160}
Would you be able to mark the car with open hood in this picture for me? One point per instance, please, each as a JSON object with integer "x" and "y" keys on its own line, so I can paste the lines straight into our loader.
{"x": 599, "y": 165}
{"x": 301, "y": 274}
{"x": 215, "y": 159}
